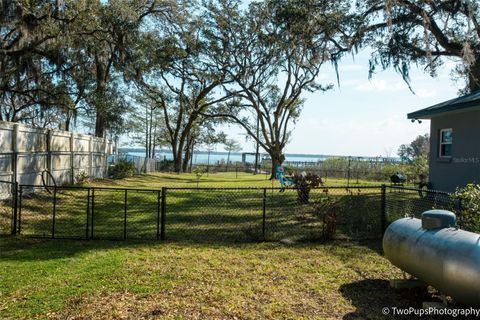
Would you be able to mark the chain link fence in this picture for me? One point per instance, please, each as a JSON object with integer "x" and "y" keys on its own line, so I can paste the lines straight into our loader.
{"x": 324, "y": 213}
{"x": 409, "y": 202}
{"x": 7, "y": 207}
{"x": 213, "y": 214}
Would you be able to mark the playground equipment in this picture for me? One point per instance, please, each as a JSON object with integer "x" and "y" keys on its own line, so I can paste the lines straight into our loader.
{"x": 437, "y": 253}
{"x": 284, "y": 180}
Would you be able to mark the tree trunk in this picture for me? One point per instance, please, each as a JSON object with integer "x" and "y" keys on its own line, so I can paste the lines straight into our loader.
{"x": 474, "y": 76}
{"x": 177, "y": 163}
{"x": 178, "y": 159}
{"x": 101, "y": 88}
{"x": 150, "y": 124}
{"x": 100, "y": 123}
{"x": 277, "y": 160}
{"x": 187, "y": 159}
{"x": 67, "y": 122}
{"x": 146, "y": 132}
{"x": 191, "y": 156}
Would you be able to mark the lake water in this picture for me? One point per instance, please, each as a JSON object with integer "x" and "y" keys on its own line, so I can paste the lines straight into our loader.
{"x": 203, "y": 157}
{"x": 218, "y": 157}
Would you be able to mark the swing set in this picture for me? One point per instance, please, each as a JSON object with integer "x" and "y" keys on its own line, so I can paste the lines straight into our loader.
{"x": 285, "y": 181}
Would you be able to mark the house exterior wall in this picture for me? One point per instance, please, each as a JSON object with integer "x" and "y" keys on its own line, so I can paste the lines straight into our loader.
{"x": 464, "y": 166}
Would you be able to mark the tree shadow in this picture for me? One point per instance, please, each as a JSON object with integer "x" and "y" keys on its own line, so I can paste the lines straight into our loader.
{"x": 18, "y": 248}
{"x": 21, "y": 248}
{"x": 371, "y": 296}
{"x": 223, "y": 215}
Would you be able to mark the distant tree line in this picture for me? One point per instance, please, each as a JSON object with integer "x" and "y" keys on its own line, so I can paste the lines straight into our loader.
{"x": 168, "y": 73}
{"x": 416, "y": 154}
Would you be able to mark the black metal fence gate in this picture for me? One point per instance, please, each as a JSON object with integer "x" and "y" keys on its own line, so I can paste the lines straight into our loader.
{"x": 210, "y": 214}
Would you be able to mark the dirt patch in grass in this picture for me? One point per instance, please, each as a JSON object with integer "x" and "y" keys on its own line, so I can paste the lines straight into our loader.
{"x": 190, "y": 302}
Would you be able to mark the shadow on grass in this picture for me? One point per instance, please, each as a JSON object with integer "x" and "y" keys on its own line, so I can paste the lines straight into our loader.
{"x": 27, "y": 249}
{"x": 195, "y": 214}
{"x": 370, "y": 296}
{"x": 19, "y": 248}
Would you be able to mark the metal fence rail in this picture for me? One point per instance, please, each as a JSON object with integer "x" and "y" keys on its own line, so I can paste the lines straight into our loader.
{"x": 212, "y": 214}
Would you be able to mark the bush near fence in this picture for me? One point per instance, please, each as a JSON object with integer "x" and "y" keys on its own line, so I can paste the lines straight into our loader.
{"x": 213, "y": 214}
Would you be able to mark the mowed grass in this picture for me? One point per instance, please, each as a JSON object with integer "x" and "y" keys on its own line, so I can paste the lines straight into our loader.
{"x": 183, "y": 278}
{"x": 214, "y": 180}
{"x": 58, "y": 279}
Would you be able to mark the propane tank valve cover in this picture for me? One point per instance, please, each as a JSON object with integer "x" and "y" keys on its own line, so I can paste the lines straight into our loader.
{"x": 438, "y": 219}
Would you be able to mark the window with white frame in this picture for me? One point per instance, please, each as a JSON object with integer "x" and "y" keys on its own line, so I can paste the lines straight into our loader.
{"x": 445, "y": 147}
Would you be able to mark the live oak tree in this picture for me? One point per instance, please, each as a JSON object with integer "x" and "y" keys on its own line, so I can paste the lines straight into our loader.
{"x": 62, "y": 58}
{"x": 417, "y": 148}
{"x": 147, "y": 127}
{"x": 112, "y": 33}
{"x": 275, "y": 50}
{"x": 36, "y": 82}
{"x": 179, "y": 76}
{"x": 403, "y": 33}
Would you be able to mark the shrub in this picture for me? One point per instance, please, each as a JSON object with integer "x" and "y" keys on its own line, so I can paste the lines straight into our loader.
{"x": 469, "y": 197}
{"x": 328, "y": 210}
{"x": 122, "y": 169}
{"x": 81, "y": 177}
{"x": 304, "y": 183}
{"x": 198, "y": 172}
{"x": 166, "y": 165}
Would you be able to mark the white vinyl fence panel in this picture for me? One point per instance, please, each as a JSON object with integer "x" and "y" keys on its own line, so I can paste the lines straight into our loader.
{"x": 25, "y": 153}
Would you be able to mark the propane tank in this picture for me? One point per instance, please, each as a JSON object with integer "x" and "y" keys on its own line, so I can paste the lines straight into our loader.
{"x": 436, "y": 252}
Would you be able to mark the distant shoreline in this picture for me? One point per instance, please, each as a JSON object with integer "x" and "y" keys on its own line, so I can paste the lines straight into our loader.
{"x": 234, "y": 155}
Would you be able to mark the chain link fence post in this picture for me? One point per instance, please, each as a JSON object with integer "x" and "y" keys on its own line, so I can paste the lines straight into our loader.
{"x": 14, "y": 207}
{"x": 163, "y": 213}
{"x": 54, "y": 210}
{"x": 92, "y": 211}
{"x": 125, "y": 208}
{"x": 383, "y": 209}
{"x": 159, "y": 209}
{"x": 264, "y": 213}
{"x": 88, "y": 216}
{"x": 19, "y": 224}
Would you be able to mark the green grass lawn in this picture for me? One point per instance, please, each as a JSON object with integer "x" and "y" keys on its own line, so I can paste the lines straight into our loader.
{"x": 219, "y": 180}
{"x": 61, "y": 279}
{"x": 201, "y": 271}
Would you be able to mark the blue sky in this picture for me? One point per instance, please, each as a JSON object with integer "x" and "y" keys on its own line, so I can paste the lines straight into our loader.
{"x": 364, "y": 117}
